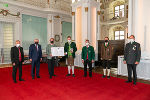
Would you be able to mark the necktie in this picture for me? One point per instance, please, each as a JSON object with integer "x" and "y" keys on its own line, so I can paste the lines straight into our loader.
{"x": 19, "y": 55}
{"x": 87, "y": 53}
{"x": 36, "y": 47}
{"x": 106, "y": 44}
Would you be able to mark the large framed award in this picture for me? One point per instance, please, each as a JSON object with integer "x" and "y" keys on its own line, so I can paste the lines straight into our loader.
{"x": 57, "y": 51}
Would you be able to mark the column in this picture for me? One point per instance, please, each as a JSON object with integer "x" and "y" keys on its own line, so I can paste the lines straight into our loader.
{"x": 130, "y": 17}
{"x": 98, "y": 25}
{"x": 84, "y": 24}
{"x": 50, "y": 27}
{"x": 89, "y": 24}
{"x": 52, "y": 35}
{"x": 97, "y": 34}
{"x": 61, "y": 38}
{"x": 73, "y": 25}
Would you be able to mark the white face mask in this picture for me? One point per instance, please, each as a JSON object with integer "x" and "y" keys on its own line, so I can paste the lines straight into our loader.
{"x": 69, "y": 40}
{"x": 87, "y": 44}
{"x": 17, "y": 45}
{"x": 131, "y": 40}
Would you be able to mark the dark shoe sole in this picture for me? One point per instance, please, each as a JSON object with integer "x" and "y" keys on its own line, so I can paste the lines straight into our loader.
{"x": 134, "y": 83}
{"x": 68, "y": 75}
{"x": 22, "y": 80}
{"x": 128, "y": 81}
{"x": 38, "y": 77}
{"x": 103, "y": 76}
{"x": 108, "y": 77}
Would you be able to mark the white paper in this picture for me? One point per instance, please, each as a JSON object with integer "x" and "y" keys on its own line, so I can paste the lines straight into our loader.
{"x": 57, "y": 51}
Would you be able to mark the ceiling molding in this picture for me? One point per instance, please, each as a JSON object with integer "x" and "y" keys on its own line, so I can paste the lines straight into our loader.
{"x": 30, "y": 7}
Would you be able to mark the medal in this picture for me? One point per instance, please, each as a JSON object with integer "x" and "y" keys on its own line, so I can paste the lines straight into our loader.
{"x": 134, "y": 47}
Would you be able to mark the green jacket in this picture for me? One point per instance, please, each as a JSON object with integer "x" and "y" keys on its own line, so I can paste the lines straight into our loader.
{"x": 48, "y": 50}
{"x": 91, "y": 53}
{"x": 66, "y": 48}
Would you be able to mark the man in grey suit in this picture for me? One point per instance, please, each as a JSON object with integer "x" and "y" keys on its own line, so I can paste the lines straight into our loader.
{"x": 132, "y": 55}
{"x": 51, "y": 59}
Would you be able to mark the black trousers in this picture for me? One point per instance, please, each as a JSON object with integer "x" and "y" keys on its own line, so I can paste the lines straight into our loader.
{"x": 37, "y": 64}
{"x": 89, "y": 63}
{"x": 106, "y": 64}
{"x": 51, "y": 63}
{"x": 19, "y": 66}
{"x": 132, "y": 67}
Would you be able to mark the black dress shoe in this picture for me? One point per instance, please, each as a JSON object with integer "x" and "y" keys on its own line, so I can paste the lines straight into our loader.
{"x": 134, "y": 83}
{"x": 21, "y": 79}
{"x": 68, "y": 74}
{"x": 128, "y": 81}
{"x": 103, "y": 76}
{"x": 73, "y": 75}
{"x": 90, "y": 75}
{"x": 108, "y": 77}
{"x": 38, "y": 76}
{"x": 50, "y": 77}
{"x": 54, "y": 75}
{"x": 15, "y": 81}
{"x": 85, "y": 75}
{"x": 33, "y": 78}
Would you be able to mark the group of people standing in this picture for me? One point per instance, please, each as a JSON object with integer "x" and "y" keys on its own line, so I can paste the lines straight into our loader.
{"x": 132, "y": 56}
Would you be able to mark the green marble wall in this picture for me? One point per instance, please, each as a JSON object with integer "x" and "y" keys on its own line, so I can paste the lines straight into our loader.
{"x": 34, "y": 27}
{"x": 66, "y": 31}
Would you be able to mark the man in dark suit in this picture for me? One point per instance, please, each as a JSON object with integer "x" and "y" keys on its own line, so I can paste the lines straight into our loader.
{"x": 70, "y": 49}
{"x": 17, "y": 59}
{"x": 132, "y": 55}
{"x": 88, "y": 57}
{"x": 35, "y": 55}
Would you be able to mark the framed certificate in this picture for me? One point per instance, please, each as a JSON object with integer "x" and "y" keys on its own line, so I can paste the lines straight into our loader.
{"x": 57, "y": 51}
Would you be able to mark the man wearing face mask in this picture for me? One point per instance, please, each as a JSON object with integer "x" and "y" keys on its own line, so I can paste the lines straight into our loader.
{"x": 17, "y": 59}
{"x": 35, "y": 55}
{"x": 88, "y": 57}
{"x": 50, "y": 57}
{"x": 106, "y": 56}
{"x": 132, "y": 55}
{"x": 70, "y": 49}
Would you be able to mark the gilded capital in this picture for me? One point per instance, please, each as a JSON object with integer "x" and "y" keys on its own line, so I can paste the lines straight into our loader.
{"x": 86, "y": 9}
{"x": 50, "y": 21}
{"x": 98, "y": 12}
{"x": 73, "y": 13}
